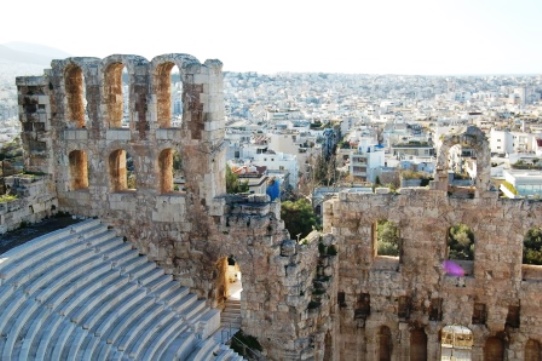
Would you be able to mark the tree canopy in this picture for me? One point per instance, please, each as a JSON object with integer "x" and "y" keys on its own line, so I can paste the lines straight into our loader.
{"x": 461, "y": 242}
{"x": 233, "y": 185}
{"x": 532, "y": 246}
{"x": 387, "y": 238}
{"x": 298, "y": 216}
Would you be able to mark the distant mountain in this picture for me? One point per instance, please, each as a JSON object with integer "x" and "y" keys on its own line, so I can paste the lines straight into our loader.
{"x": 30, "y": 53}
{"x": 38, "y": 49}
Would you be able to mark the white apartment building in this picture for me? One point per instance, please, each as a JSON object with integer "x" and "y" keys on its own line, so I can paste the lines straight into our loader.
{"x": 526, "y": 182}
{"x": 501, "y": 142}
{"x": 366, "y": 160}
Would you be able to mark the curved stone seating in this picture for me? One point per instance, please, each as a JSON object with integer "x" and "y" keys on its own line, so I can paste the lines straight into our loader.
{"x": 82, "y": 293}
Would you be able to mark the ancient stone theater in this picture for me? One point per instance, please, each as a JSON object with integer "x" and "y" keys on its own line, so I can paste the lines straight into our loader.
{"x": 106, "y": 153}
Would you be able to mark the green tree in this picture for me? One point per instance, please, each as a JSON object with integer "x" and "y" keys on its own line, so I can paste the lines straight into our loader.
{"x": 532, "y": 246}
{"x": 387, "y": 238}
{"x": 298, "y": 217}
{"x": 461, "y": 242}
{"x": 233, "y": 185}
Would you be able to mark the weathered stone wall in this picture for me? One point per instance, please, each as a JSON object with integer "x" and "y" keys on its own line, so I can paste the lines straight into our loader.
{"x": 302, "y": 301}
{"x": 36, "y": 200}
{"x": 498, "y": 279}
{"x": 83, "y": 149}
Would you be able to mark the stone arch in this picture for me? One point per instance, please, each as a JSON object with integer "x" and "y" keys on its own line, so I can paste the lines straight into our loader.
{"x": 137, "y": 68}
{"x": 385, "y": 344}
{"x": 74, "y": 85}
{"x": 114, "y": 94}
{"x": 229, "y": 279}
{"x": 161, "y": 67}
{"x": 533, "y": 351}
{"x": 494, "y": 349}
{"x": 474, "y": 139}
{"x": 121, "y": 173}
{"x": 171, "y": 171}
{"x": 78, "y": 169}
{"x": 418, "y": 345}
{"x": 165, "y": 104}
{"x": 456, "y": 341}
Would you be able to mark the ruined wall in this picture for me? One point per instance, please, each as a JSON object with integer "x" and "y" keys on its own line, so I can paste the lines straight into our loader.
{"x": 301, "y": 301}
{"x": 90, "y": 143}
{"x": 415, "y": 282}
{"x": 35, "y": 201}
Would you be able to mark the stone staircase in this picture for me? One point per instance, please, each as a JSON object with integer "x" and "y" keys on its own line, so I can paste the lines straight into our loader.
{"x": 231, "y": 316}
{"x": 82, "y": 293}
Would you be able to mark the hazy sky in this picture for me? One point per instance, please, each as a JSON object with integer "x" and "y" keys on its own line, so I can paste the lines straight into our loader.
{"x": 347, "y": 36}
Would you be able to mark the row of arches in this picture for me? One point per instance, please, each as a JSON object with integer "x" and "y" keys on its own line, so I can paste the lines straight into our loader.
{"x": 119, "y": 86}
{"x": 460, "y": 242}
{"x": 455, "y": 343}
{"x": 122, "y": 173}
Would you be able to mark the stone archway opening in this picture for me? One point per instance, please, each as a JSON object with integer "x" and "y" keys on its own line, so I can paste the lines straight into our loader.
{"x": 169, "y": 90}
{"x": 78, "y": 169}
{"x": 230, "y": 286}
{"x": 418, "y": 345}
{"x": 121, "y": 171}
{"x": 456, "y": 343}
{"x": 171, "y": 171}
{"x": 533, "y": 351}
{"x": 117, "y": 89}
{"x": 385, "y": 344}
{"x": 494, "y": 349}
{"x": 74, "y": 85}
{"x": 463, "y": 163}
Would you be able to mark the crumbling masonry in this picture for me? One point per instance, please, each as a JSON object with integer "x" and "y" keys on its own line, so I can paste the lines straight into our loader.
{"x": 302, "y": 301}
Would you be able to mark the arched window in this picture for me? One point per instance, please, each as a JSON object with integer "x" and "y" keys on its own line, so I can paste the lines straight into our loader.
{"x": 385, "y": 344}
{"x": 74, "y": 85}
{"x": 460, "y": 242}
{"x": 121, "y": 171}
{"x": 533, "y": 351}
{"x": 171, "y": 171}
{"x": 418, "y": 345}
{"x": 117, "y": 92}
{"x": 78, "y": 170}
{"x": 169, "y": 89}
{"x": 494, "y": 349}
